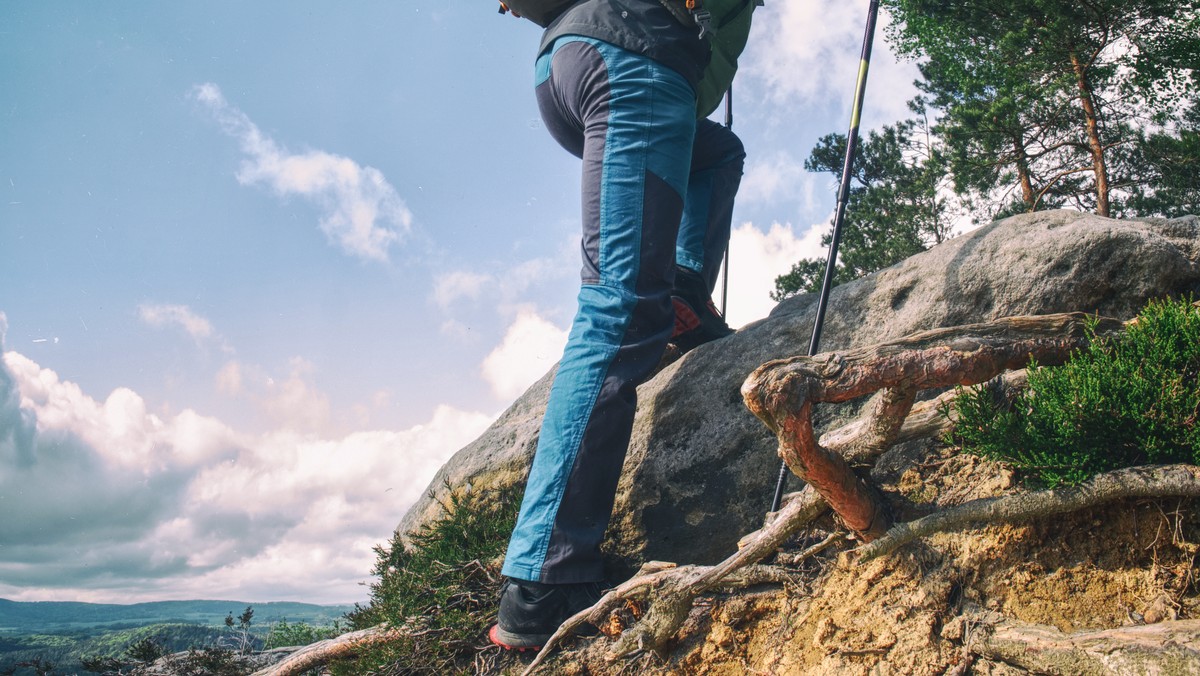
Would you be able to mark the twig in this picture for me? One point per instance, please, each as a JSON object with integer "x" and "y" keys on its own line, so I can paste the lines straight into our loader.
{"x": 795, "y": 559}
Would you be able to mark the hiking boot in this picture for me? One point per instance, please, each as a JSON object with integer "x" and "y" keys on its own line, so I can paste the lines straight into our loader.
{"x": 530, "y": 612}
{"x": 697, "y": 320}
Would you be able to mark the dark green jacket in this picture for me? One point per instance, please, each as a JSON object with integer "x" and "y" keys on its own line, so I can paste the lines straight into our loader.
{"x": 649, "y": 28}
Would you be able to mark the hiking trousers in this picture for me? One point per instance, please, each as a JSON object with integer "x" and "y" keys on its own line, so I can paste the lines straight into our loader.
{"x": 658, "y": 189}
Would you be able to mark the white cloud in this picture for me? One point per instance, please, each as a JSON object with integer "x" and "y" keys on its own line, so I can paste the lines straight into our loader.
{"x": 362, "y": 213}
{"x": 526, "y": 274}
{"x": 160, "y": 315}
{"x": 229, "y": 379}
{"x": 289, "y": 402}
{"x": 756, "y": 259}
{"x": 361, "y": 414}
{"x": 801, "y": 50}
{"x": 104, "y": 501}
{"x": 505, "y": 288}
{"x": 776, "y": 177}
{"x": 455, "y": 329}
{"x": 808, "y": 52}
{"x": 530, "y": 347}
{"x": 453, "y": 286}
{"x": 296, "y": 403}
{"x": 472, "y": 302}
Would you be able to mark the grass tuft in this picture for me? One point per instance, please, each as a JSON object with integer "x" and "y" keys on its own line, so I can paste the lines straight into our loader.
{"x": 443, "y": 588}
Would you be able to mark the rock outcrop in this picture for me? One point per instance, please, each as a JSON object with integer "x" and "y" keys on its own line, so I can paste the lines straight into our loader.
{"x": 701, "y": 469}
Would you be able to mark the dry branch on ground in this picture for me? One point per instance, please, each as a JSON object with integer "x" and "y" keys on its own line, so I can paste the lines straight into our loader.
{"x": 1163, "y": 648}
{"x": 324, "y": 652}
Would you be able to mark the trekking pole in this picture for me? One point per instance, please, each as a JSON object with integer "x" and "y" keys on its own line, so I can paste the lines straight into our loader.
{"x": 725, "y": 266}
{"x": 840, "y": 214}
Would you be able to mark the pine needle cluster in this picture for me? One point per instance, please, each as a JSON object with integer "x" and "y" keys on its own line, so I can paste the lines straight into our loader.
{"x": 1124, "y": 401}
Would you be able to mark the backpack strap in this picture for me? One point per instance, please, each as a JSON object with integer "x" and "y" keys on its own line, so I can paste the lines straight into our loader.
{"x": 694, "y": 13}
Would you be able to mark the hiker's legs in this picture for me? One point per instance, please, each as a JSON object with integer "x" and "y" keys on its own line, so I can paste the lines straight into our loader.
{"x": 632, "y": 121}
{"x": 716, "y": 172}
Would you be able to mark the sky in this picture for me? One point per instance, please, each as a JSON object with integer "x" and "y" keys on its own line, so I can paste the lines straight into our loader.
{"x": 265, "y": 266}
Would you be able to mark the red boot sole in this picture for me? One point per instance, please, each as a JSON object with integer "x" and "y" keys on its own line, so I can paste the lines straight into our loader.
{"x": 496, "y": 640}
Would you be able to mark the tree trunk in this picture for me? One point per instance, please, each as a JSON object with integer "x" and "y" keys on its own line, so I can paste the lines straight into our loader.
{"x": 1088, "y": 102}
{"x": 1022, "y": 162}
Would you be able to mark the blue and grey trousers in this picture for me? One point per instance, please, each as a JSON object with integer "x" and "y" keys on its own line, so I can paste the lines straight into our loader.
{"x": 658, "y": 189}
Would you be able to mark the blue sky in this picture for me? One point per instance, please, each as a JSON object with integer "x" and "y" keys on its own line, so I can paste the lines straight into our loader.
{"x": 265, "y": 266}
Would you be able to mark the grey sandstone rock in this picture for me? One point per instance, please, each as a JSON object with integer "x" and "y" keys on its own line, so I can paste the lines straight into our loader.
{"x": 701, "y": 469}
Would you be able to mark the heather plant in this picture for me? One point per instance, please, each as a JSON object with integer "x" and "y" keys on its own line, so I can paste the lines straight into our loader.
{"x": 1123, "y": 401}
{"x": 440, "y": 590}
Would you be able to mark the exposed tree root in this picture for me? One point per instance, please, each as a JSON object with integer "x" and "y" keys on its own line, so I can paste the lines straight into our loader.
{"x": 1163, "y": 648}
{"x": 927, "y": 420}
{"x": 782, "y": 394}
{"x": 1134, "y": 482}
{"x": 324, "y": 652}
{"x": 675, "y": 588}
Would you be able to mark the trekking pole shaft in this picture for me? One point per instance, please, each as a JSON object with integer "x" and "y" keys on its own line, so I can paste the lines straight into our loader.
{"x": 729, "y": 107}
{"x": 725, "y": 273}
{"x": 840, "y": 214}
{"x": 847, "y": 173}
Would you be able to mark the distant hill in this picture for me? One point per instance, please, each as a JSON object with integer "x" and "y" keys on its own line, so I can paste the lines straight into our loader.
{"x": 17, "y": 617}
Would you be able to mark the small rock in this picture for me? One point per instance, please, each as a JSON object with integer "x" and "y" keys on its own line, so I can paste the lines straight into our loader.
{"x": 1159, "y": 609}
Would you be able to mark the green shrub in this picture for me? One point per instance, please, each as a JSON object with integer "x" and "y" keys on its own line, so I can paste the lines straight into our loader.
{"x": 444, "y": 588}
{"x": 1124, "y": 401}
{"x": 146, "y": 650}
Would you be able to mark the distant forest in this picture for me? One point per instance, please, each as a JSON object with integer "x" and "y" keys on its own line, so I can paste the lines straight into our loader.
{"x": 55, "y": 637}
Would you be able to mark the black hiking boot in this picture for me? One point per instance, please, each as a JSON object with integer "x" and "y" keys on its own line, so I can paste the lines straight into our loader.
{"x": 530, "y": 612}
{"x": 697, "y": 320}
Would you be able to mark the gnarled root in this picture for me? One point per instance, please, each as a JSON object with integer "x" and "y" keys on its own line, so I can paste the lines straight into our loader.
{"x": 323, "y": 652}
{"x": 782, "y": 394}
{"x": 1134, "y": 482}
